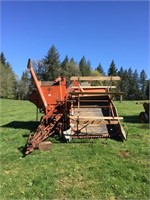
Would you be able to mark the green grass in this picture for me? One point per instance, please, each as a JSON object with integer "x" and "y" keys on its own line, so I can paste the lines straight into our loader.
{"x": 94, "y": 169}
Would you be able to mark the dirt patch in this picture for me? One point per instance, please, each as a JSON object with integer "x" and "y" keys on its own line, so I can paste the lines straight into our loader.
{"x": 123, "y": 154}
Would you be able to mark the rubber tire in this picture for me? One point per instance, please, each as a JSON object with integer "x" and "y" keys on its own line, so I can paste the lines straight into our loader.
{"x": 143, "y": 117}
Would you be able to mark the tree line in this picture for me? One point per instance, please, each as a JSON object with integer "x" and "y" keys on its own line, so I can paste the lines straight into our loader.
{"x": 135, "y": 86}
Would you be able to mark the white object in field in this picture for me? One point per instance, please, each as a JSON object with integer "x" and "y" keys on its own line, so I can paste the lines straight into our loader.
{"x": 69, "y": 132}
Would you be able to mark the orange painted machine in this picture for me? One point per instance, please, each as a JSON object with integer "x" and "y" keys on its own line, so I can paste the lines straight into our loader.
{"x": 79, "y": 111}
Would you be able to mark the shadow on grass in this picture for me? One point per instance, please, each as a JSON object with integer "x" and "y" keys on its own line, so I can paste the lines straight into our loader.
{"x": 30, "y": 125}
{"x": 134, "y": 119}
{"x": 131, "y": 119}
{"x": 22, "y": 150}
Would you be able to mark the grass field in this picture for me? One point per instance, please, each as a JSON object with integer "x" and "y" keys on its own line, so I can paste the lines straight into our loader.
{"x": 92, "y": 169}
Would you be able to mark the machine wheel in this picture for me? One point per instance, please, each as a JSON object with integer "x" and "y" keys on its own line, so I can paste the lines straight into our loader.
{"x": 143, "y": 117}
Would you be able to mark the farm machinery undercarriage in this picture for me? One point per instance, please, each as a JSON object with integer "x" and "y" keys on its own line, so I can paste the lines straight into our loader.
{"x": 77, "y": 111}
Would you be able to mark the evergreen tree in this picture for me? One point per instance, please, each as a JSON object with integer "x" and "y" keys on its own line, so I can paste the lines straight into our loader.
{"x": 130, "y": 94}
{"x": 52, "y": 64}
{"x": 125, "y": 84}
{"x": 73, "y": 68}
{"x": 130, "y": 73}
{"x": 64, "y": 64}
{"x": 121, "y": 72}
{"x": 135, "y": 85}
{"x": 88, "y": 68}
{"x": 84, "y": 67}
{"x": 99, "y": 68}
{"x": 72, "y": 60}
{"x": 122, "y": 82}
{"x": 143, "y": 84}
{"x": 2, "y": 59}
{"x": 70, "y": 69}
{"x": 8, "y": 81}
{"x": 112, "y": 71}
{"x": 40, "y": 69}
{"x": 24, "y": 83}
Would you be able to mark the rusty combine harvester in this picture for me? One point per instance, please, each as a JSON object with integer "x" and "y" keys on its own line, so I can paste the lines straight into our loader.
{"x": 79, "y": 111}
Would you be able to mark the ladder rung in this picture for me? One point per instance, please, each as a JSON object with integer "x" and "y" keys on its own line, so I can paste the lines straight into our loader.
{"x": 101, "y": 117}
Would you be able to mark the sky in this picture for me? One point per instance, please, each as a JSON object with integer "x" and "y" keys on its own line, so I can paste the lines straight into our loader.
{"x": 101, "y": 31}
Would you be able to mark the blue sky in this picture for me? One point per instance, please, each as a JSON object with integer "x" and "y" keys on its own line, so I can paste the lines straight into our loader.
{"x": 100, "y": 31}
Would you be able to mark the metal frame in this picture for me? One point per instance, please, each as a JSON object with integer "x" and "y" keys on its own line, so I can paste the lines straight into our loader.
{"x": 59, "y": 104}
